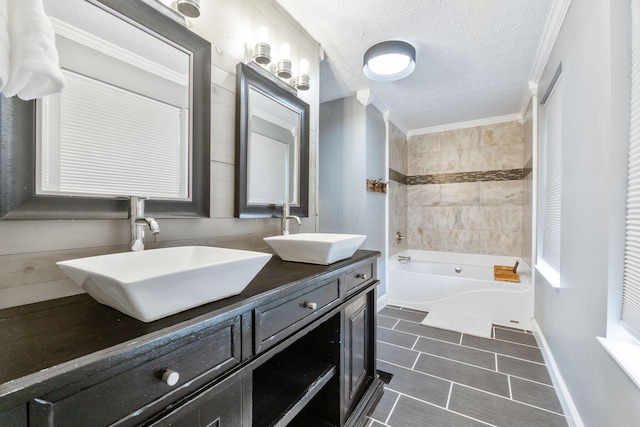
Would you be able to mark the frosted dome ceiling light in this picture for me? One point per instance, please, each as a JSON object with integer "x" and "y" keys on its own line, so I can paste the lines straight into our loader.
{"x": 389, "y": 61}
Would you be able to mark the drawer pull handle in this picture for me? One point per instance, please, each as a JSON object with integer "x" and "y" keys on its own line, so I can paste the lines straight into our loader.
{"x": 170, "y": 377}
{"x": 310, "y": 305}
{"x": 362, "y": 276}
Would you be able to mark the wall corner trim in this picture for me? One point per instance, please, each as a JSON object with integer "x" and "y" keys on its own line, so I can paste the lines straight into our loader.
{"x": 569, "y": 408}
{"x": 552, "y": 29}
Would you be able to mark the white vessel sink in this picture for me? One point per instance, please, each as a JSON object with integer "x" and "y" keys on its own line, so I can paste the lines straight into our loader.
{"x": 315, "y": 248}
{"x": 152, "y": 284}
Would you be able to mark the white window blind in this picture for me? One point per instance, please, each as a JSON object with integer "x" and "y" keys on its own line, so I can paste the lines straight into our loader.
{"x": 550, "y": 253}
{"x": 99, "y": 139}
{"x": 267, "y": 171}
{"x": 631, "y": 287}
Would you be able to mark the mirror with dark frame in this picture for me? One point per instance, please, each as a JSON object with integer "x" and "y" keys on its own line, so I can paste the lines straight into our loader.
{"x": 272, "y": 146}
{"x": 151, "y": 79}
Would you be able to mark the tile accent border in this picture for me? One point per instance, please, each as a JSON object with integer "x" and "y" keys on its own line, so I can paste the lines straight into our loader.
{"x": 461, "y": 177}
{"x": 396, "y": 176}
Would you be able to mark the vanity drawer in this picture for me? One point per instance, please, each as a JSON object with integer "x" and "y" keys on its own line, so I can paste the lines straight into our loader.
{"x": 362, "y": 275}
{"x": 280, "y": 318}
{"x": 214, "y": 350}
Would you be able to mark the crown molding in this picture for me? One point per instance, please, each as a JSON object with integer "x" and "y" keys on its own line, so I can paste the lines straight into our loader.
{"x": 469, "y": 124}
{"x": 559, "y": 10}
{"x": 64, "y": 29}
{"x": 552, "y": 29}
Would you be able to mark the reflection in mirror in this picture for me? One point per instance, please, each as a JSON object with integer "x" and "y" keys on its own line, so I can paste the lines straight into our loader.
{"x": 272, "y": 146}
{"x": 133, "y": 119}
{"x": 120, "y": 127}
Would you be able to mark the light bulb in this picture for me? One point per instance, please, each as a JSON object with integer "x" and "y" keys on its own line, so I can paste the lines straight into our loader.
{"x": 389, "y": 64}
{"x": 285, "y": 50}
{"x": 304, "y": 66}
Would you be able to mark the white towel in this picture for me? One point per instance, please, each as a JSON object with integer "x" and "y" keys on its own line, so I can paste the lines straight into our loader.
{"x": 33, "y": 58}
{"x": 4, "y": 43}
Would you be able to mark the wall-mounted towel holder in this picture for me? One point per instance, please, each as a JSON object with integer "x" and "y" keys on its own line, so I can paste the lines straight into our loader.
{"x": 377, "y": 185}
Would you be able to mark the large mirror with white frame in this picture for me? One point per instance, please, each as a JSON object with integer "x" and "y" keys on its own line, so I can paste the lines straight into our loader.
{"x": 133, "y": 119}
{"x": 272, "y": 149}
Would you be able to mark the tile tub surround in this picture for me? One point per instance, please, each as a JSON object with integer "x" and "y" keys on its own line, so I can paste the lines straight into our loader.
{"x": 444, "y": 378}
{"x": 466, "y": 190}
{"x": 397, "y": 188}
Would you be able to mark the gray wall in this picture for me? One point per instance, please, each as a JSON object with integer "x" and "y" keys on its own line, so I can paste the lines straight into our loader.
{"x": 593, "y": 46}
{"x": 352, "y": 149}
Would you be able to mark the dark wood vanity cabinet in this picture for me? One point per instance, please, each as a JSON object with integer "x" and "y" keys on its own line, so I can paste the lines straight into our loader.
{"x": 297, "y": 348}
{"x": 359, "y": 348}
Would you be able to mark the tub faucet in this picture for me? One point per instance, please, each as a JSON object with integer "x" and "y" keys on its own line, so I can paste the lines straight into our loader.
{"x": 139, "y": 222}
{"x": 285, "y": 217}
{"x": 404, "y": 258}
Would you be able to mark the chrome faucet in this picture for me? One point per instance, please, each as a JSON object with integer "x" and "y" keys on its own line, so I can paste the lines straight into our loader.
{"x": 404, "y": 258}
{"x": 285, "y": 217}
{"x": 139, "y": 222}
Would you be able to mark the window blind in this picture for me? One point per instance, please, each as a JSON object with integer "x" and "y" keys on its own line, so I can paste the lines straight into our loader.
{"x": 631, "y": 286}
{"x": 113, "y": 142}
{"x": 552, "y": 177}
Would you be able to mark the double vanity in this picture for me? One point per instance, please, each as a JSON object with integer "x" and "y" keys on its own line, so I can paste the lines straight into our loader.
{"x": 296, "y": 347}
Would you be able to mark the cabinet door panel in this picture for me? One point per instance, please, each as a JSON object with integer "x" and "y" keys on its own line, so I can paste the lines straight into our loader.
{"x": 359, "y": 363}
{"x": 219, "y": 406}
{"x": 15, "y": 417}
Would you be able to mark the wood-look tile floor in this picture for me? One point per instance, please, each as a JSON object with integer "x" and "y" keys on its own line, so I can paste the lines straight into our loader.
{"x": 445, "y": 378}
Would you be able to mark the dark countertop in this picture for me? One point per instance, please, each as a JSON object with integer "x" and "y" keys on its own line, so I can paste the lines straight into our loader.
{"x": 43, "y": 340}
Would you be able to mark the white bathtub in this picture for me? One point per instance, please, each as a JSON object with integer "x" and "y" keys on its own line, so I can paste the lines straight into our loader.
{"x": 429, "y": 282}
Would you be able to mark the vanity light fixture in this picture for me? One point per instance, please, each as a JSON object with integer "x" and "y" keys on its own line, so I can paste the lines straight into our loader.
{"x": 284, "y": 64}
{"x": 303, "y": 81}
{"x": 189, "y": 8}
{"x": 262, "y": 49}
{"x": 389, "y": 61}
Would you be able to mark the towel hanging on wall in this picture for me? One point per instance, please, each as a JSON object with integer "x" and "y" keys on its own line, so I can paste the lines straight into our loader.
{"x": 34, "y": 69}
{"x": 4, "y": 43}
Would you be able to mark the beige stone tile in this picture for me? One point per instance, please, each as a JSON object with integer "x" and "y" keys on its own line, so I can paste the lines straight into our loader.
{"x": 433, "y": 163}
{"x": 415, "y": 237}
{"x": 430, "y": 143}
{"x": 415, "y": 217}
{"x": 502, "y": 134}
{"x": 450, "y": 161}
{"x": 469, "y": 218}
{"x": 417, "y": 164}
{"x": 431, "y": 240}
{"x": 450, "y": 140}
{"x": 491, "y": 218}
{"x": 491, "y": 158}
{"x": 504, "y": 243}
{"x": 397, "y": 149}
{"x": 442, "y": 217}
{"x": 464, "y": 241}
{"x": 423, "y": 195}
{"x": 501, "y": 193}
{"x": 471, "y": 160}
{"x": 460, "y": 194}
{"x": 469, "y": 138}
{"x": 511, "y": 159}
{"x": 511, "y": 218}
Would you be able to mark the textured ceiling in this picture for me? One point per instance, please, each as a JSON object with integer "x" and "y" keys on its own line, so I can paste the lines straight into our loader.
{"x": 473, "y": 56}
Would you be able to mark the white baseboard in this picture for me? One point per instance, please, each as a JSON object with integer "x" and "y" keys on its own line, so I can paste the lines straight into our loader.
{"x": 382, "y": 302}
{"x": 569, "y": 408}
